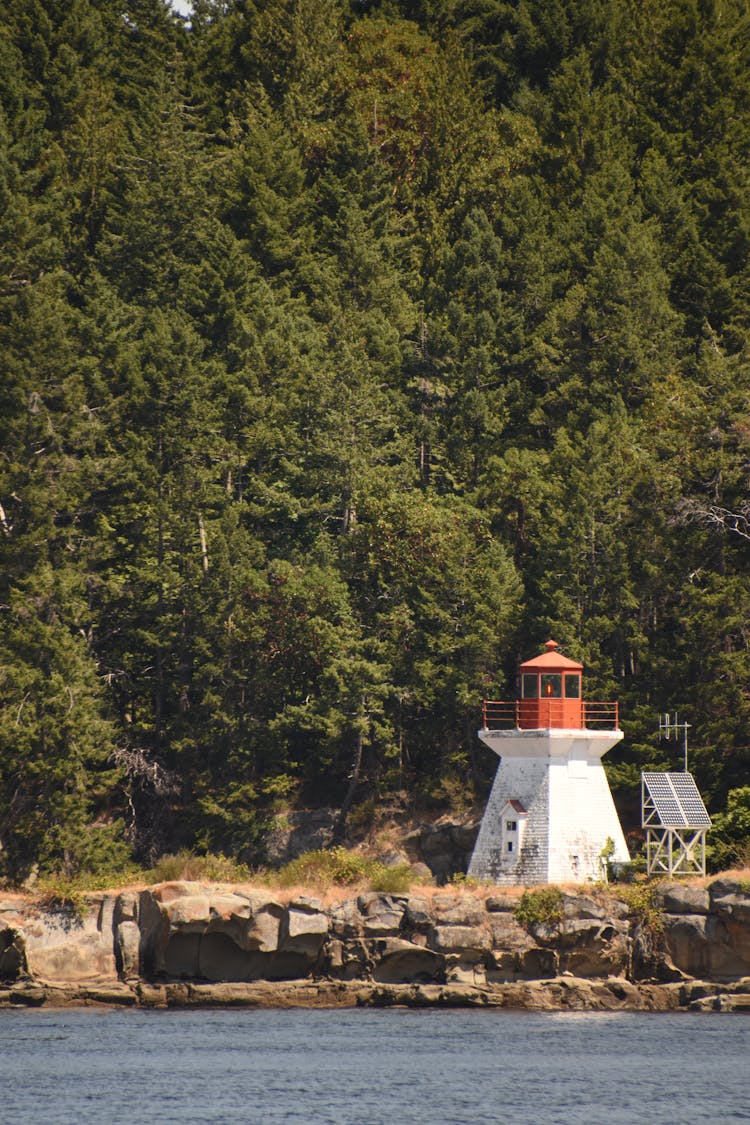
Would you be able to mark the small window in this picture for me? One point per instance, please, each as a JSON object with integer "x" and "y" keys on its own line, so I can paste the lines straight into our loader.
{"x": 528, "y": 686}
{"x": 572, "y": 685}
{"x": 510, "y": 845}
{"x": 552, "y": 685}
{"x": 510, "y": 825}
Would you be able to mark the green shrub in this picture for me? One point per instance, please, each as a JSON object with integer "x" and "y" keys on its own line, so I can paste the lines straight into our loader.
{"x": 641, "y": 897}
{"x": 187, "y": 865}
{"x": 460, "y": 879}
{"x": 58, "y": 889}
{"x": 362, "y": 817}
{"x": 61, "y": 895}
{"x": 542, "y": 907}
{"x": 391, "y": 880}
{"x": 324, "y": 866}
{"x": 336, "y": 866}
{"x": 729, "y": 837}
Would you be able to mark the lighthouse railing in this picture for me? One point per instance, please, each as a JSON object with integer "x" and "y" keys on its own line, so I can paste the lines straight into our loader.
{"x": 605, "y": 716}
{"x": 507, "y": 714}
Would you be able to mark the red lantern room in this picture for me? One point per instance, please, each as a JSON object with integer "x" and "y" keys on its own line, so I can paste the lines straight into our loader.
{"x": 551, "y": 692}
{"x": 550, "y": 699}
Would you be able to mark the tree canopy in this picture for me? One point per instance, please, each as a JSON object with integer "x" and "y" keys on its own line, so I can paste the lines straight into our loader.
{"x": 349, "y": 350}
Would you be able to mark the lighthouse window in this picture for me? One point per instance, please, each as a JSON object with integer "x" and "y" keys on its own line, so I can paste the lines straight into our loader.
{"x": 510, "y": 825}
{"x": 552, "y": 685}
{"x": 528, "y": 686}
{"x": 510, "y": 845}
{"x": 573, "y": 686}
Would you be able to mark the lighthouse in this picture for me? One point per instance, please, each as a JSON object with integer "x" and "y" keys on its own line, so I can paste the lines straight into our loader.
{"x": 550, "y": 817}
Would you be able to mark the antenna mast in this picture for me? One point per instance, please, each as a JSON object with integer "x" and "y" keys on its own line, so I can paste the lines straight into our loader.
{"x": 668, "y": 726}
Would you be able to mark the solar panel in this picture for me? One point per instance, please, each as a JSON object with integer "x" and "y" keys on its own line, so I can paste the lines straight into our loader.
{"x": 676, "y": 800}
{"x": 690, "y": 800}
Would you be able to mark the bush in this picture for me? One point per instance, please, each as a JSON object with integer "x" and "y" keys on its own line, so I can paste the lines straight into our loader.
{"x": 641, "y": 898}
{"x": 60, "y": 891}
{"x": 392, "y": 880}
{"x": 187, "y": 865}
{"x": 323, "y": 867}
{"x": 729, "y": 838}
{"x": 60, "y": 895}
{"x": 461, "y": 879}
{"x": 542, "y": 907}
{"x": 339, "y": 867}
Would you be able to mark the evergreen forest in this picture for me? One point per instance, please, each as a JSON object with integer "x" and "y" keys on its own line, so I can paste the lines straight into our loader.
{"x": 349, "y": 350}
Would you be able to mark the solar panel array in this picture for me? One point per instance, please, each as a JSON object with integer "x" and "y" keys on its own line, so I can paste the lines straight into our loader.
{"x": 676, "y": 799}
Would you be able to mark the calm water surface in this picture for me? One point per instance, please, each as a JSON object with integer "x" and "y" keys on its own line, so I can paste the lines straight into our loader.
{"x": 373, "y": 1068}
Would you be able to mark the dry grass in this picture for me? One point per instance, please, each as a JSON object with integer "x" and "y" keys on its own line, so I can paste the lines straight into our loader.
{"x": 330, "y": 893}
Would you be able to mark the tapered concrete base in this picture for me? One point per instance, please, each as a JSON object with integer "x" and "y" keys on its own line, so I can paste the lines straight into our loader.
{"x": 550, "y": 814}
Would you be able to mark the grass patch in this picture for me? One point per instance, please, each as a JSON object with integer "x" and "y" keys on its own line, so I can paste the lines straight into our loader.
{"x": 321, "y": 869}
{"x": 338, "y": 867}
{"x": 186, "y": 865}
{"x": 67, "y": 893}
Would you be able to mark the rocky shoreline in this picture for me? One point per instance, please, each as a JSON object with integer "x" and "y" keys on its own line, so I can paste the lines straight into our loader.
{"x": 556, "y": 994}
{"x": 682, "y": 947}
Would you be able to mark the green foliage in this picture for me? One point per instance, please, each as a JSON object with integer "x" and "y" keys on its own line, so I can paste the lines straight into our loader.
{"x": 542, "y": 907}
{"x": 641, "y": 898}
{"x": 66, "y": 894}
{"x": 55, "y": 741}
{"x": 63, "y": 897}
{"x": 208, "y": 868}
{"x": 461, "y": 879}
{"x": 396, "y": 880}
{"x": 337, "y": 866}
{"x": 348, "y": 352}
{"x": 729, "y": 838}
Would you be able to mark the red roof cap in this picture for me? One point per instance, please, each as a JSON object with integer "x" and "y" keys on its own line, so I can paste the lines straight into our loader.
{"x": 551, "y": 661}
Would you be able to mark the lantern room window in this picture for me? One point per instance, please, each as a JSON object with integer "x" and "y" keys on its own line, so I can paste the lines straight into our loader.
{"x": 551, "y": 685}
{"x": 572, "y": 685}
{"x": 529, "y": 682}
{"x": 551, "y": 692}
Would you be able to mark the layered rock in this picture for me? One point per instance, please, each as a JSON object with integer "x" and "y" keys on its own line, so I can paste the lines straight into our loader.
{"x": 181, "y": 942}
{"x": 445, "y": 847}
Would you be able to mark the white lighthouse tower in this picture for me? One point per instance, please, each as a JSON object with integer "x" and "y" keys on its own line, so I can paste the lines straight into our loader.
{"x": 550, "y": 815}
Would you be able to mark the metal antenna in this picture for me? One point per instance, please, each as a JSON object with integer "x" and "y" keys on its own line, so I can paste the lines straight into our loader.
{"x": 668, "y": 725}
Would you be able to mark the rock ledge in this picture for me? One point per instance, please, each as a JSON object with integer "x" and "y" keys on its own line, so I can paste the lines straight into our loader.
{"x": 190, "y": 944}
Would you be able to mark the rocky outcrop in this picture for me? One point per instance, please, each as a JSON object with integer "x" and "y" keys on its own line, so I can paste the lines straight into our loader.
{"x": 189, "y": 943}
{"x": 444, "y": 847}
{"x": 68, "y": 943}
{"x": 441, "y": 849}
{"x": 13, "y": 963}
{"x": 707, "y": 930}
{"x": 296, "y": 832}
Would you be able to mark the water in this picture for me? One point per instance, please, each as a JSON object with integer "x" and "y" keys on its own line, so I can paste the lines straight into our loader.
{"x": 372, "y": 1067}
